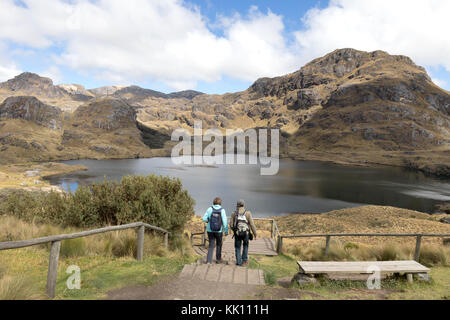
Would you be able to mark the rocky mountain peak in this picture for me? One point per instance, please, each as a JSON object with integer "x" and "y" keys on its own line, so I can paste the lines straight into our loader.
{"x": 25, "y": 81}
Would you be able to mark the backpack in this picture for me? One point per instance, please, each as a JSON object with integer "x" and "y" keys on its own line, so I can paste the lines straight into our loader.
{"x": 215, "y": 222}
{"x": 241, "y": 227}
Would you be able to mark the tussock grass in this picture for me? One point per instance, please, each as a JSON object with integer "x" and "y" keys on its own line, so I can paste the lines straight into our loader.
{"x": 107, "y": 261}
{"x": 430, "y": 254}
{"x": 17, "y": 288}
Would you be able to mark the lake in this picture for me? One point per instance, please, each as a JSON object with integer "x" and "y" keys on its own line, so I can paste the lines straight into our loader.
{"x": 299, "y": 187}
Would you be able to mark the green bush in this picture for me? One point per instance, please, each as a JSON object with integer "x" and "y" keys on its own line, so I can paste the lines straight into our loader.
{"x": 156, "y": 200}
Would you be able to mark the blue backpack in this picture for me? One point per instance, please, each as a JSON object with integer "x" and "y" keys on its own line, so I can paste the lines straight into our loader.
{"x": 215, "y": 222}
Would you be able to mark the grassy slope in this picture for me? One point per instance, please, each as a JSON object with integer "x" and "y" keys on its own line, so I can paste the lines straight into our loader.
{"x": 367, "y": 219}
{"x": 106, "y": 262}
{"x": 99, "y": 274}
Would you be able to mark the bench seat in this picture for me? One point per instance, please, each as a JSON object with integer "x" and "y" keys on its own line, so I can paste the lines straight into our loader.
{"x": 361, "y": 267}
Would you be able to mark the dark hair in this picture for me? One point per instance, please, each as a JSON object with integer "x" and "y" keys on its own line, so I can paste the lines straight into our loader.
{"x": 217, "y": 201}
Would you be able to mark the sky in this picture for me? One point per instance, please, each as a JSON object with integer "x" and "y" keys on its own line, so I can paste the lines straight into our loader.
{"x": 213, "y": 46}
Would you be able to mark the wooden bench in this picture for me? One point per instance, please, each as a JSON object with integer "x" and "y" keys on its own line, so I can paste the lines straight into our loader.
{"x": 364, "y": 267}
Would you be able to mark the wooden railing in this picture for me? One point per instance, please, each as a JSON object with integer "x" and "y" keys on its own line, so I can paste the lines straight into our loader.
{"x": 275, "y": 233}
{"x": 56, "y": 246}
{"x": 328, "y": 236}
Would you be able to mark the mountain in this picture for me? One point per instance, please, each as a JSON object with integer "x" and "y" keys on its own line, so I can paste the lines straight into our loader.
{"x": 104, "y": 127}
{"x": 350, "y": 107}
{"x": 68, "y": 97}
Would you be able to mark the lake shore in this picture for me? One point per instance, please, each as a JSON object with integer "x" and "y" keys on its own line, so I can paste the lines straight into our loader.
{"x": 34, "y": 176}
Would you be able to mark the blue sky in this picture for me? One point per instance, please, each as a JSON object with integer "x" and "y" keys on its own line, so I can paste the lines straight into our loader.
{"x": 207, "y": 45}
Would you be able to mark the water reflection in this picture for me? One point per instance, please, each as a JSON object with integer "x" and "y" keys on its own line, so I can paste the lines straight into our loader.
{"x": 299, "y": 186}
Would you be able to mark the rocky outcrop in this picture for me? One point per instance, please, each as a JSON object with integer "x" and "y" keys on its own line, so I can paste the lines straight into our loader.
{"x": 105, "y": 113}
{"x": 187, "y": 94}
{"x": 33, "y": 84}
{"x": 31, "y": 109}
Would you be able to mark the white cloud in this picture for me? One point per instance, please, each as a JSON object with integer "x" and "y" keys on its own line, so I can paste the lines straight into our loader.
{"x": 8, "y": 68}
{"x": 170, "y": 41}
{"x": 439, "y": 82}
{"x": 415, "y": 28}
{"x": 165, "y": 40}
{"x": 53, "y": 73}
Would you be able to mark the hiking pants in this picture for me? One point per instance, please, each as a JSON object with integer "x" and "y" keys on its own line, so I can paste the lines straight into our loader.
{"x": 238, "y": 243}
{"x": 213, "y": 238}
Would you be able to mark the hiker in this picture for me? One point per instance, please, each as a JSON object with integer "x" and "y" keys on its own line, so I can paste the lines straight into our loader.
{"x": 244, "y": 230}
{"x": 216, "y": 218}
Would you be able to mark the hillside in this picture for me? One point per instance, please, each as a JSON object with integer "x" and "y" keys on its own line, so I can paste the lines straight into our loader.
{"x": 102, "y": 128}
{"x": 350, "y": 107}
{"x": 367, "y": 219}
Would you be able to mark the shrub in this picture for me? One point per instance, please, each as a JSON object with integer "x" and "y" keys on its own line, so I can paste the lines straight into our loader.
{"x": 159, "y": 201}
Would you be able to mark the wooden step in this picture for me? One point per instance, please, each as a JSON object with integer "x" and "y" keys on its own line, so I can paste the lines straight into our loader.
{"x": 223, "y": 274}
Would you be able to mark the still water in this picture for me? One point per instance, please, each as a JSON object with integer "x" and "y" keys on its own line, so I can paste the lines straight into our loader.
{"x": 299, "y": 187}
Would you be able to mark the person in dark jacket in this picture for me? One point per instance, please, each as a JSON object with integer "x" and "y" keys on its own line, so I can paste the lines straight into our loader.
{"x": 216, "y": 218}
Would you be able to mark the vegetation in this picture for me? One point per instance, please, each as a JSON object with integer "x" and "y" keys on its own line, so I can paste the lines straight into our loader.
{"x": 107, "y": 261}
{"x": 159, "y": 201}
{"x": 430, "y": 254}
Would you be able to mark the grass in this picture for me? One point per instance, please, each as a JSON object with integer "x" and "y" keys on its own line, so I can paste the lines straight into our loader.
{"x": 106, "y": 262}
{"x": 431, "y": 254}
{"x": 285, "y": 266}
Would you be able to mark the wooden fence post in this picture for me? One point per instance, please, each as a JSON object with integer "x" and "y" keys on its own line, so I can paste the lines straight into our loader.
{"x": 53, "y": 268}
{"x": 273, "y": 228}
{"x": 327, "y": 246}
{"x": 140, "y": 243}
{"x": 166, "y": 240}
{"x": 280, "y": 244}
{"x": 417, "y": 251}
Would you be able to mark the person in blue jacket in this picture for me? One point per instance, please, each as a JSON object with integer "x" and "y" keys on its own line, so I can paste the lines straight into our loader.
{"x": 216, "y": 218}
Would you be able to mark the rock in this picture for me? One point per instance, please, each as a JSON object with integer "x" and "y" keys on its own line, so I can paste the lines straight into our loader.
{"x": 304, "y": 279}
{"x": 103, "y": 149}
{"x": 9, "y": 139}
{"x": 69, "y": 136}
{"x": 306, "y": 98}
{"x": 33, "y": 85}
{"x": 445, "y": 220}
{"x": 38, "y": 146}
{"x": 423, "y": 277}
{"x": 33, "y": 173}
{"x": 282, "y": 121}
{"x": 31, "y": 109}
{"x": 107, "y": 114}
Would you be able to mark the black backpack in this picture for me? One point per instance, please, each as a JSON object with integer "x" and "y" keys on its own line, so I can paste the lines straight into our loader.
{"x": 216, "y": 220}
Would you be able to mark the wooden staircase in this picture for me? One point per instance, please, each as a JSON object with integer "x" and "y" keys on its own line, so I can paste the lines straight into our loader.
{"x": 223, "y": 273}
